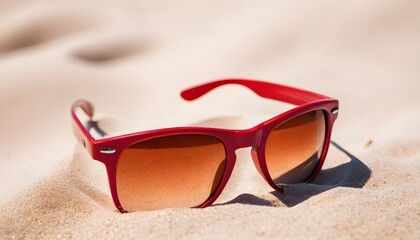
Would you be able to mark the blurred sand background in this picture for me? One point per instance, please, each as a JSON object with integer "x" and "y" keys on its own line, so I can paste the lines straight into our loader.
{"x": 132, "y": 58}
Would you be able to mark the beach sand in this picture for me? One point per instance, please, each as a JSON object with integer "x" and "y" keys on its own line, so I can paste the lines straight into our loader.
{"x": 131, "y": 59}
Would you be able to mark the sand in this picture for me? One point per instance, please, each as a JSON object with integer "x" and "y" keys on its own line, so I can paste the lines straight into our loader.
{"x": 131, "y": 59}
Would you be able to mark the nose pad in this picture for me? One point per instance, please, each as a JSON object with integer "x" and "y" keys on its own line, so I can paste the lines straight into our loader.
{"x": 254, "y": 155}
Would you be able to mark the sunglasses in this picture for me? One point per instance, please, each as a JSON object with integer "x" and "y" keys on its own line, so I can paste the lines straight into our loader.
{"x": 190, "y": 166}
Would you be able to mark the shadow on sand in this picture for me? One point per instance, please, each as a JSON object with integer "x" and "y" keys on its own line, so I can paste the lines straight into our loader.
{"x": 353, "y": 174}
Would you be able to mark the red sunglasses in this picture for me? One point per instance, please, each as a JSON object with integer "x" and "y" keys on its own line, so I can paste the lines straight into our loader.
{"x": 190, "y": 166}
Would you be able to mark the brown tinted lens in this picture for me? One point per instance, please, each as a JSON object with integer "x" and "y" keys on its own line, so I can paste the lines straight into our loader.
{"x": 293, "y": 149}
{"x": 169, "y": 172}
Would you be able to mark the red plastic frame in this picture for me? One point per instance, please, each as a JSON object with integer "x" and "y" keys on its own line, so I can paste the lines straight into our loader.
{"x": 254, "y": 137}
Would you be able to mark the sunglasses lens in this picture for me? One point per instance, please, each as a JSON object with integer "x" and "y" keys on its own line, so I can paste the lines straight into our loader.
{"x": 169, "y": 172}
{"x": 294, "y": 148}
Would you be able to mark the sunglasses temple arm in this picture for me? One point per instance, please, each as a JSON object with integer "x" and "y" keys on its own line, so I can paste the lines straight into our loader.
{"x": 267, "y": 90}
{"x": 80, "y": 131}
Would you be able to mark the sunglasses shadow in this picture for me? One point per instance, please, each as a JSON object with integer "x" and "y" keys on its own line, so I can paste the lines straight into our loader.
{"x": 353, "y": 174}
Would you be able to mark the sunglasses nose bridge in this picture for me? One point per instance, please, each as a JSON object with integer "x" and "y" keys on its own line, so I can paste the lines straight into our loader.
{"x": 246, "y": 138}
